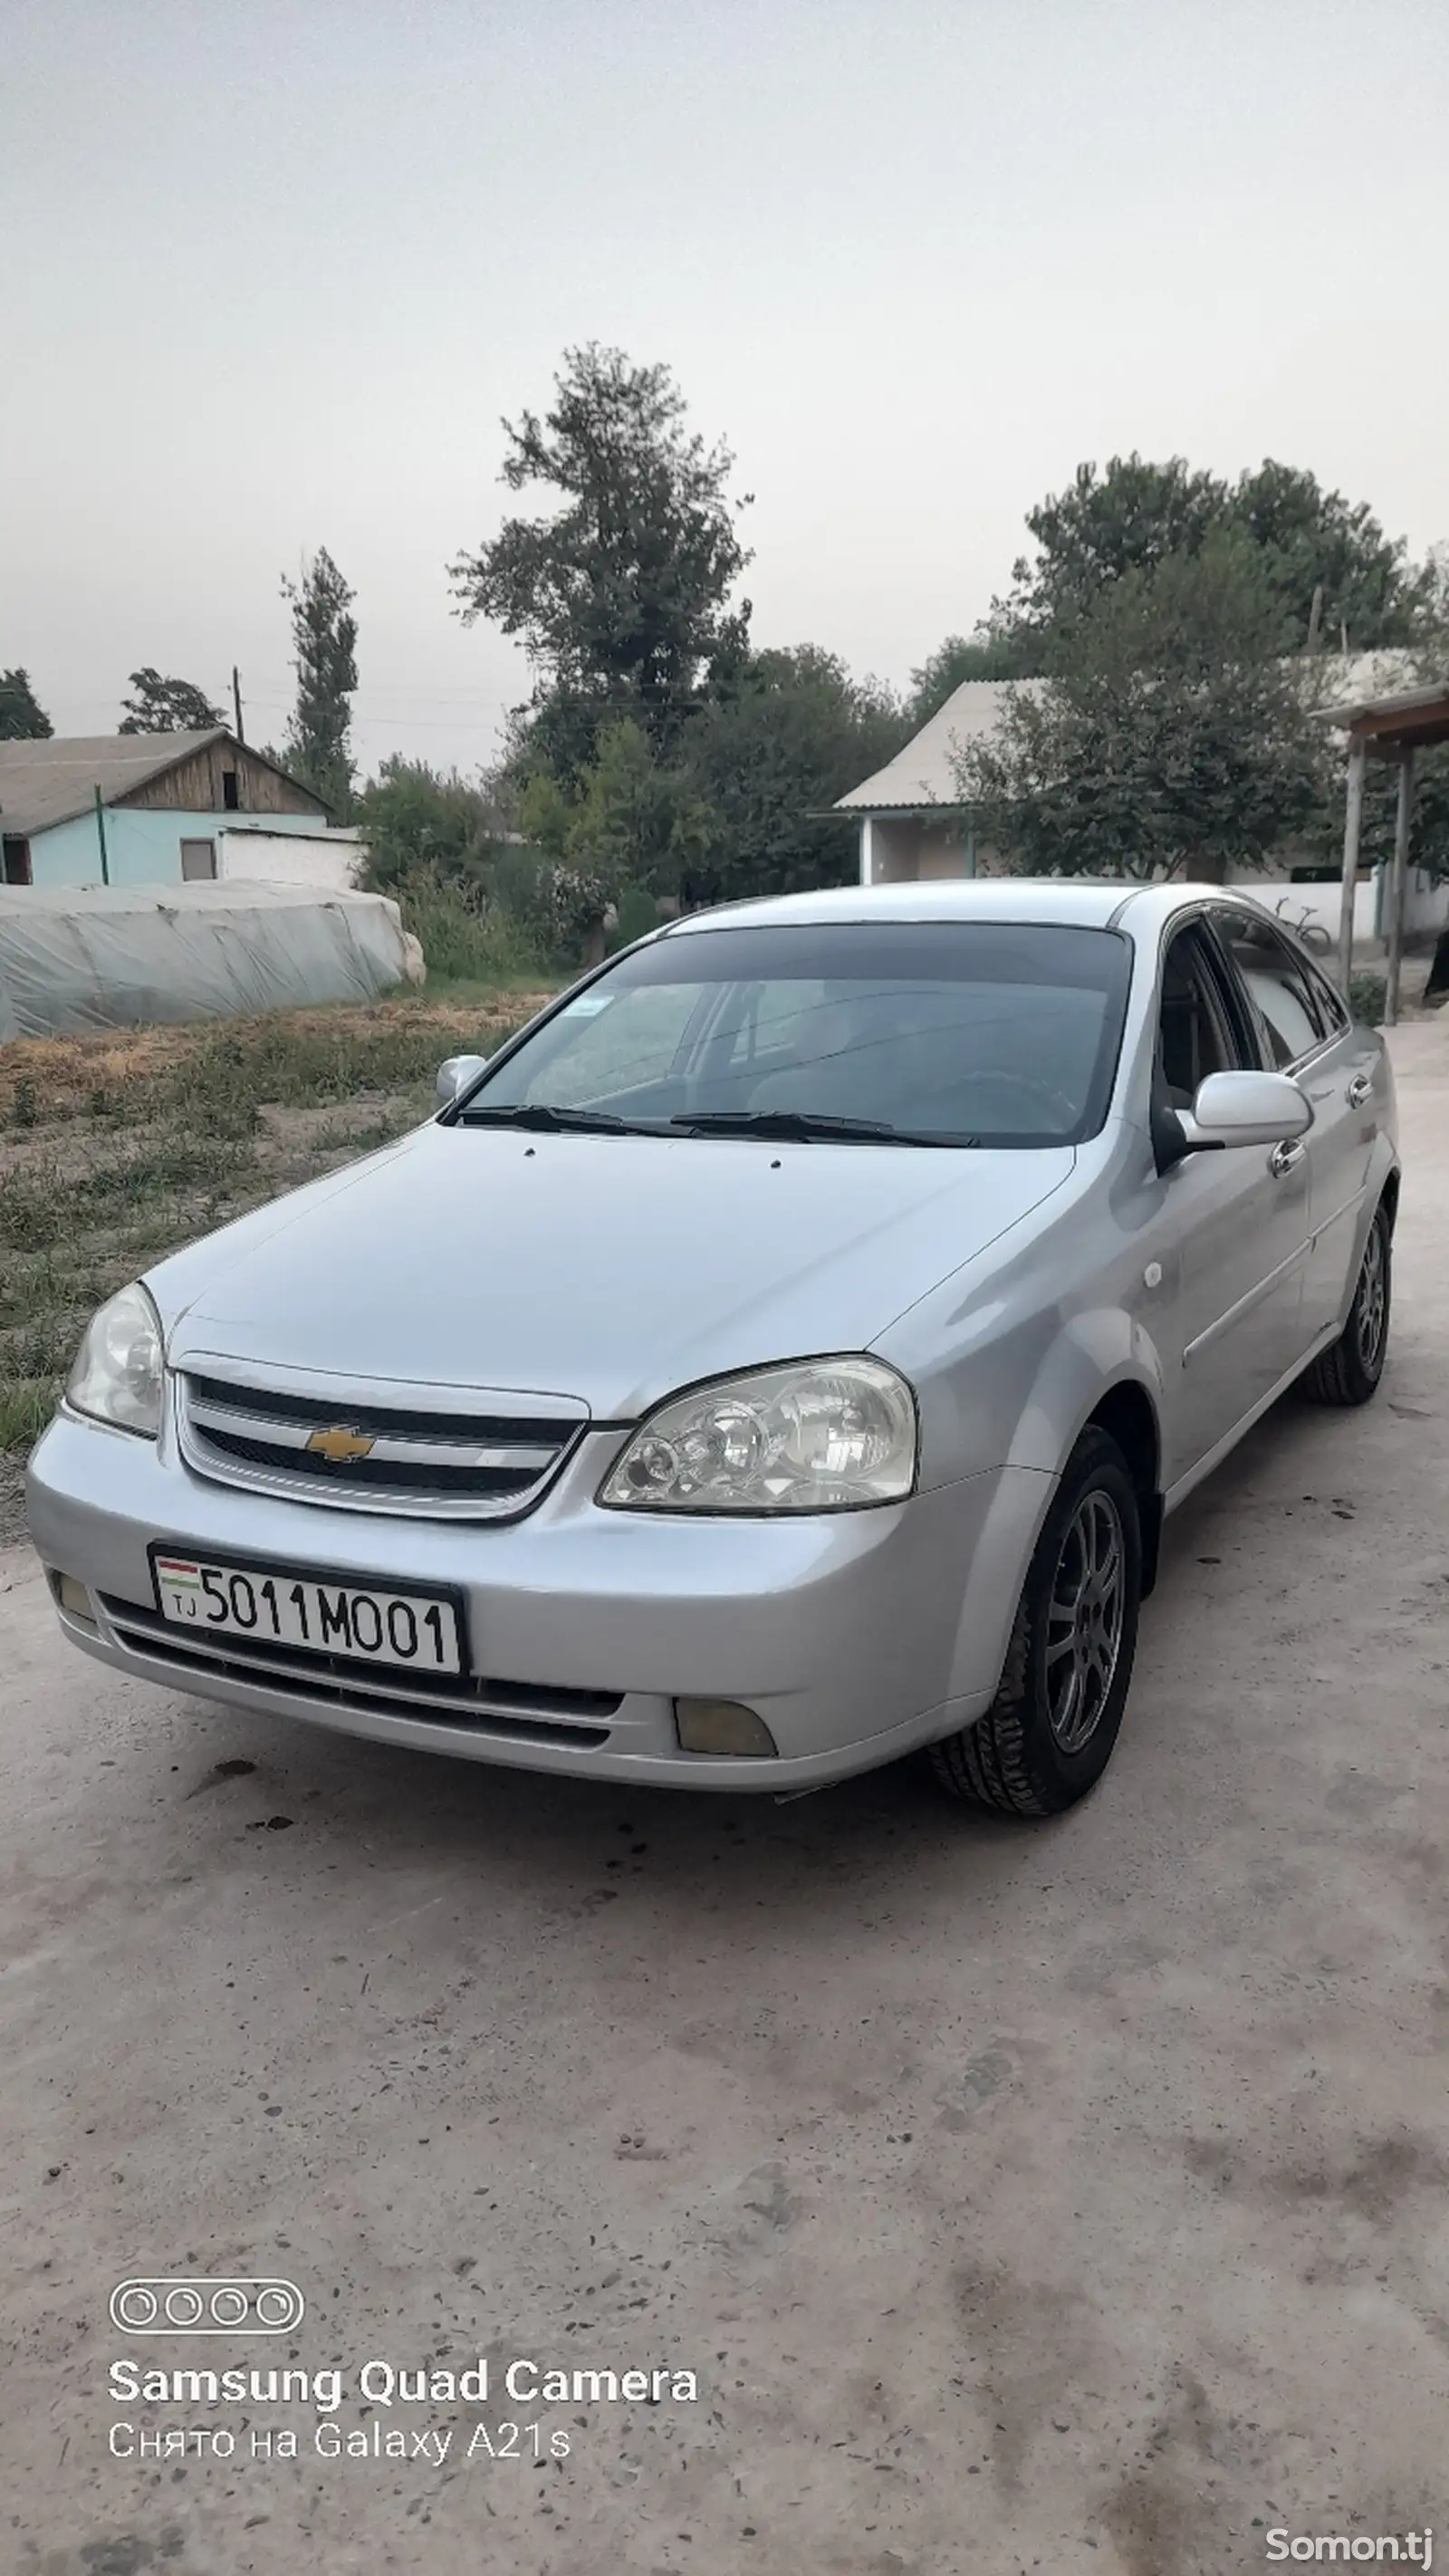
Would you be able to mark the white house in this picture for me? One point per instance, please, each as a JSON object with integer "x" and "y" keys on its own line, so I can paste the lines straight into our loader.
{"x": 914, "y": 823}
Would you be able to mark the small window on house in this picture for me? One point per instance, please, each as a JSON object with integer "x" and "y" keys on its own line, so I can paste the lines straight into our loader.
{"x": 15, "y": 862}
{"x": 229, "y": 796}
{"x": 198, "y": 860}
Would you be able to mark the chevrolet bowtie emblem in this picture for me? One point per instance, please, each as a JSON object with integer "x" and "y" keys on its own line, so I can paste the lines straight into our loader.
{"x": 339, "y": 1444}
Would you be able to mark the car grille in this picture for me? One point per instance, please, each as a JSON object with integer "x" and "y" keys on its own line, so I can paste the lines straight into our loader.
{"x": 344, "y": 1681}
{"x": 375, "y": 1457}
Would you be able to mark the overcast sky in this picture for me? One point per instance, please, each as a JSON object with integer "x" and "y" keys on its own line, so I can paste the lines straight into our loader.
{"x": 271, "y": 270}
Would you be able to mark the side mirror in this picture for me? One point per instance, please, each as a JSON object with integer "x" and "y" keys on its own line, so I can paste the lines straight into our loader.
{"x": 457, "y": 1076}
{"x": 1240, "y": 1109}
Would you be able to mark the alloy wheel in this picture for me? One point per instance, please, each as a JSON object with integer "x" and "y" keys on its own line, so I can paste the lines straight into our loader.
{"x": 1371, "y": 1301}
{"x": 1084, "y": 1620}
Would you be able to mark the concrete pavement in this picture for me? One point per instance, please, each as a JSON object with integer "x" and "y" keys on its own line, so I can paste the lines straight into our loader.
{"x": 1066, "y": 2198}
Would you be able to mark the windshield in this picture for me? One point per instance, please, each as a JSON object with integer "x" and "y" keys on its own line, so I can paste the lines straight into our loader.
{"x": 982, "y": 1033}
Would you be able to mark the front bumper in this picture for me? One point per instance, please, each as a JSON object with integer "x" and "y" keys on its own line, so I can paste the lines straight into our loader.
{"x": 855, "y": 1636}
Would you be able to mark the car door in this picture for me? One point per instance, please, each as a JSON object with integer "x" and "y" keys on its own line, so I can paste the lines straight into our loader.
{"x": 1235, "y": 1221}
{"x": 1306, "y": 1032}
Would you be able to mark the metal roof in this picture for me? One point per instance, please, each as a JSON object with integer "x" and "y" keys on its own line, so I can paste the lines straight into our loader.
{"x": 925, "y": 772}
{"x": 1406, "y": 720}
{"x": 923, "y": 776}
{"x": 51, "y": 781}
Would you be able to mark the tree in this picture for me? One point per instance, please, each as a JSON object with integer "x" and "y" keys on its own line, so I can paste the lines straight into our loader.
{"x": 1169, "y": 736}
{"x": 1315, "y": 545}
{"x": 629, "y": 819}
{"x": 324, "y": 637}
{"x": 1103, "y": 526}
{"x": 415, "y": 817}
{"x": 166, "y": 706}
{"x": 767, "y": 760}
{"x": 22, "y": 717}
{"x": 1311, "y": 545}
{"x": 621, "y": 597}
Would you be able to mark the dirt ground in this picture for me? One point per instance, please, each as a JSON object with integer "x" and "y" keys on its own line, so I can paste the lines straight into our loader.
{"x": 1067, "y": 2199}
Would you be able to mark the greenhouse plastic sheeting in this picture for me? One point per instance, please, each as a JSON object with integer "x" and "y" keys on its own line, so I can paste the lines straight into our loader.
{"x": 97, "y": 958}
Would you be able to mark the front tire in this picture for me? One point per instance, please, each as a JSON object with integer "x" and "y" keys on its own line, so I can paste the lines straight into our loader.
{"x": 1350, "y": 1370}
{"x": 1048, "y": 1735}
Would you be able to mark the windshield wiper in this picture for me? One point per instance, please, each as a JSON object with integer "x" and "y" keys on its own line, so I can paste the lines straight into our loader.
{"x": 805, "y": 1127}
{"x": 549, "y": 1120}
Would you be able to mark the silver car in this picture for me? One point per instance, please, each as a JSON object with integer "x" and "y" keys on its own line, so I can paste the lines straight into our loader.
{"x": 778, "y": 1358}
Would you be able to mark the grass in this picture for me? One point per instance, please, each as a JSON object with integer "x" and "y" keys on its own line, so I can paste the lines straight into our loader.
{"x": 116, "y": 1150}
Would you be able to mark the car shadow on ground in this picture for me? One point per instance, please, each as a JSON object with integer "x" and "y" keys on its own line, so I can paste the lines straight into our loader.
{"x": 429, "y": 1827}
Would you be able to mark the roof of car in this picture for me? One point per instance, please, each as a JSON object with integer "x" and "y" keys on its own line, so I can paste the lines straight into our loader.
{"x": 1091, "y": 903}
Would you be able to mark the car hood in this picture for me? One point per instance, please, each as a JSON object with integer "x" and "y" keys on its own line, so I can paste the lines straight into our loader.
{"x": 608, "y": 1268}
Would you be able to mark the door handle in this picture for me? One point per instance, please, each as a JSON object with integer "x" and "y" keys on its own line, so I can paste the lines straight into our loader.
{"x": 1359, "y": 1090}
{"x": 1285, "y": 1158}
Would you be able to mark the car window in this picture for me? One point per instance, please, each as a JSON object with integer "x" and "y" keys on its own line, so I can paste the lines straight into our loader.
{"x": 1195, "y": 1036}
{"x": 615, "y": 1039}
{"x": 1003, "y": 1034}
{"x": 1330, "y": 1003}
{"x": 1281, "y": 988}
{"x": 771, "y": 1024}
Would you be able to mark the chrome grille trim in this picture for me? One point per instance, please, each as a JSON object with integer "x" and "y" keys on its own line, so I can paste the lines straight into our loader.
{"x": 430, "y": 1456}
{"x": 514, "y": 1708}
{"x": 279, "y": 1433}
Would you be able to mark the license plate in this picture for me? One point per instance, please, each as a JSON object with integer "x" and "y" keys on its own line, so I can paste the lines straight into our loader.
{"x": 273, "y": 1605}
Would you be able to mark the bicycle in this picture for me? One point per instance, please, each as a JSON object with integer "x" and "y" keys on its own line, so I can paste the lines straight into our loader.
{"x": 1311, "y": 932}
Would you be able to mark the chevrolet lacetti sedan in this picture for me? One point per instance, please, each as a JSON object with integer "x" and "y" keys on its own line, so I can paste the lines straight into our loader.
{"x": 779, "y": 1357}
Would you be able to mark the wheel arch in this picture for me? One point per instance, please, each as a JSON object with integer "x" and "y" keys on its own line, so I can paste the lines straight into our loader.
{"x": 1127, "y": 1414}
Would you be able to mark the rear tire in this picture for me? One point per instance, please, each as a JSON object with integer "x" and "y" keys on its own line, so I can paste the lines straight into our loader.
{"x": 1048, "y": 1735}
{"x": 1350, "y": 1370}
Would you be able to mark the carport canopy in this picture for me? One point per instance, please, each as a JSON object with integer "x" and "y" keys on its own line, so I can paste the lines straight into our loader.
{"x": 1387, "y": 728}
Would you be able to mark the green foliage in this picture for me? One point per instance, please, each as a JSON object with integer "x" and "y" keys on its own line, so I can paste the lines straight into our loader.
{"x": 166, "y": 706}
{"x": 1310, "y": 544}
{"x": 638, "y": 912}
{"x": 1170, "y": 737}
{"x": 324, "y": 638}
{"x": 465, "y": 936}
{"x": 1315, "y": 543}
{"x": 415, "y": 817}
{"x": 22, "y": 717}
{"x": 620, "y": 597}
{"x": 629, "y": 816}
{"x": 766, "y": 762}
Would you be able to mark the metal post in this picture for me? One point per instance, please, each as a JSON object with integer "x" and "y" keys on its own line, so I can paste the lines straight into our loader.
{"x": 1352, "y": 827}
{"x": 101, "y": 837}
{"x": 236, "y": 701}
{"x": 1398, "y": 884}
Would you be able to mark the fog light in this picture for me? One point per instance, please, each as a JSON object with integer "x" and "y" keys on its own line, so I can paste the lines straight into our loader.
{"x": 73, "y": 1597}
{"x": 721, "y": 1726}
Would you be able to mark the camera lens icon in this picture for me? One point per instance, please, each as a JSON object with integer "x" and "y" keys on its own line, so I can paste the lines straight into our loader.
{"x": 206, "y": 2306}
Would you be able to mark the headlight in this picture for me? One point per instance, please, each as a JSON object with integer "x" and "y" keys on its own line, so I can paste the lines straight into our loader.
{"x": 820, "y": 1436}
{"x": 117, "y": 1375}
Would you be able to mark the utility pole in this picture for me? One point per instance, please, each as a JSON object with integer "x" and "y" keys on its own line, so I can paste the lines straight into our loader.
{"x": 236, "y": 701}
{"x": 101, "y": 837}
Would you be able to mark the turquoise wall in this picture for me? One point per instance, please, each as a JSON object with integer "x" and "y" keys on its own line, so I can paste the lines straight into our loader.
{"x": 143, "y": 843}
